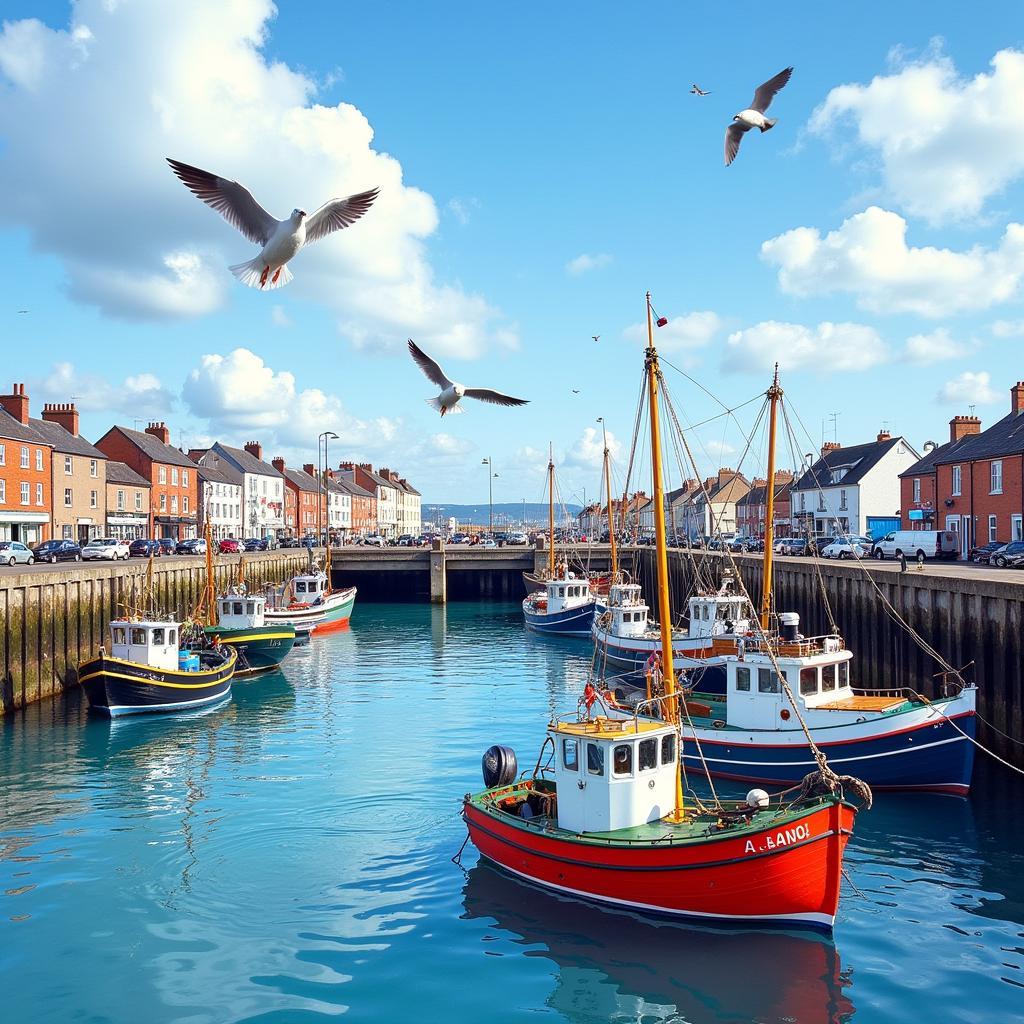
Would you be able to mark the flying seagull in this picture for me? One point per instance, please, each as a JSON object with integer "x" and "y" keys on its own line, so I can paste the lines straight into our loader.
{"x": 698, "y": 91}
{"x": 451, "y": 392}
{"x": 753, "y": 116}
{"x": 280, "y": 239}
{"x": 575, "y": 391}
{"x": 596, "y": 337}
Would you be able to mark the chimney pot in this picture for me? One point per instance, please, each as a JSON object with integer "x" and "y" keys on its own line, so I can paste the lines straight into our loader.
{"x": 278, "y": 463}
{"x": 159, "y": 431}
{"x": 255, "y": 449}
{"x": 1017, "y": 397}
{"x": 884, "y": 435}
{"x": 16, "y": 403}
{"x": 961, "y": 426}
{"x": 309, "y": 469}
{"x": 64, "y": 413}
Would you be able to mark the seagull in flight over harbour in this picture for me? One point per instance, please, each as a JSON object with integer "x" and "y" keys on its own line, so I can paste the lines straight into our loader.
{"x": 753, "y": 116}
{"x": 451, "y": 392}
{"x": 280, "y": 240}
{"x": 596, "y": 337}
{"x": 698, "y": 91}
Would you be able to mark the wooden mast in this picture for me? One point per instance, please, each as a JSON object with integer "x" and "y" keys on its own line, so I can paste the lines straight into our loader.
{"x": 664, "y": 610}
{"x": 551, "y": 512}
{"x": 774, "y": 394}
{"x": 210, "y": 590}
{"x": 327, "y": 536}
{"x": 608, "y": 496}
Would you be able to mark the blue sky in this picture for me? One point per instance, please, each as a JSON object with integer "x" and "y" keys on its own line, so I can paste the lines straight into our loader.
{"x": 516, "y": 140}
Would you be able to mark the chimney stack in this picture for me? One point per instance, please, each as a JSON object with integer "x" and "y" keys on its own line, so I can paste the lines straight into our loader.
{"x": 159, "y": 431}
{"x": 830, "y": 446}
{"x": 1017, "y": 397}
{"x": 277, "y": 463}
{"x": 16, "y": 403}
{"x": 255, "y": 449}
{"x": 346, "y": 466}
{"x": 884, "y": 435}
{"x": 783, "y": 476}
{"x": 65, "y": 414}
{"x": 309, "y": 469}
{"x": 961, "y": 426}
{"x": 366, "y": 466}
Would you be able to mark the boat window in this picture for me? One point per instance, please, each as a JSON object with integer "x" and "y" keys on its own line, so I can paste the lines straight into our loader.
{"x": 808, "y": 680}
{"x": 844, "y": 673}
{"x": 767, "y": 681}
{"x": 300, "y": 588}
{"x": 743, "y": 679}
{"x": 623, "y": 761}
{"x": 828, "y": 677}
{"x": 250, "y": 607}
{"x": 648, "y": 755}
{"x": 723, "y": 611}
{"x": 119, "y": 635}
{"x": 595, "y": 759}
{"x": 172, "y": 637}
{"x": 668, "y": 749}
{"x": 158, "y": 637}
{"x": 139, "y": 637}
{"x": 704, "y": 612}
{"x": 571, "y": 755}
{"x": 238, "y": 607}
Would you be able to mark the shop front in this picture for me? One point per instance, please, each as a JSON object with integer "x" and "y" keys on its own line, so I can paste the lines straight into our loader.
{"x": 177, "y": 527}
{"x": 28, "y": 527}
{"x": 126, "y": 527}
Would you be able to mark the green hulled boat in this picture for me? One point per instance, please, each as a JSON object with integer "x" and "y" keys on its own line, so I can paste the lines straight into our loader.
{"x": 241, "y": 624}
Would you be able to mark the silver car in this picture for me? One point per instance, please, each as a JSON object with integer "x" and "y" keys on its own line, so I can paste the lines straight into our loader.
{"x": 106, "y": 547}
{"x": 14, "y": 552}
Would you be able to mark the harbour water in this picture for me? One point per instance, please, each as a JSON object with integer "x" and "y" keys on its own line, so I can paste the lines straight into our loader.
{"x": 287, "y": 858}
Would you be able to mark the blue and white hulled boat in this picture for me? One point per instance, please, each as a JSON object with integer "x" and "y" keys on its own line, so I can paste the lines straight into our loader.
{"x": 565, "y": 607}
{"x": 626, "y": 640}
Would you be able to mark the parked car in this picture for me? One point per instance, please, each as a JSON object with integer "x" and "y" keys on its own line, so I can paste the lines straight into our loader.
{"x": 517, "y": 537}
{"x": 916, "y": 544}
{"x": 191, "y": 546}
{"x": 983, "y": 554}
{"x": 308, "y": 542}
{"x": 57, "y": 551}
{"x": 289, "y": 542}
{"x": 168, "y": 545}
{"x": 105, "y": 547}
{"x": 255, "y": 543}
{"x": 744, "y": 544}
{"x": 143, "y": 547}
{"x": 407, "y": 540}
{"x": 795, "y": 546}
{"x": 229, "y": 546}
{"x": 13, "y": 551}
{"x": 1009, "y": 555}
{"x": 847, "y": 547}
{"x": 375, "y": 540}
{"x": 488, "y": 542}
{"x": 816, "y": 545}
{"x": 460, "y": 538}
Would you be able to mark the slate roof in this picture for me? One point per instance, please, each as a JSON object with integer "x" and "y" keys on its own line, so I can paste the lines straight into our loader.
{"x": 222, "y": 473}
{"x": 409, "y": 489}
{"x": 119, "y": 473}
{"x": 861, "y": 458}
{"x": 64, "y": 441}
{"x": 245, "y": 461}
{"x": 353, "y": 488}
{"x": 17, "y": 431}
{"x": 154, "y": 448}
{"x": 759, "y": 495}
{"x": 302, "y": 480}
{"x": 1005, "y": 437}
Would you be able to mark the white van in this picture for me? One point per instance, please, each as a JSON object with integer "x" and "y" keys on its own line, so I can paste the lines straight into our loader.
{"x": 916, "y": 543}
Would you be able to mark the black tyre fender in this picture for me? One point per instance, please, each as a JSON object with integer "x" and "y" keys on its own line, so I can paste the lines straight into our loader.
{"x": 499, "y": 766}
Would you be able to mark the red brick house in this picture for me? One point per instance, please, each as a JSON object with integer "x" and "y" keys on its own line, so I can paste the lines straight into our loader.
{"x": 305, "y": 507}
{"x": 171, "y": 473}
{"x": 364, "y": 505}
{"x": 26, "y": 480}
{"x": 752, "y": 508}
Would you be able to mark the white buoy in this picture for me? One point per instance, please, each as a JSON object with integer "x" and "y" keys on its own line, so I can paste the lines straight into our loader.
{"x": 757, "y": 798}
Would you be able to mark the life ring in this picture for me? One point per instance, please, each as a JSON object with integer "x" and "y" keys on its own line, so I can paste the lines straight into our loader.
{"x": 718, "y": 724}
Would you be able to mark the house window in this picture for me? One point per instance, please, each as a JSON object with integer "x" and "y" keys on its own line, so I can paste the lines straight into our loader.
{"x": 120, "y": 501}
{"x": 956, "y": 480}
{"x": 69, "y": 498}
{"x": 842, "y": 499}
{"x": 184, "y": 503}
{"x": 93, "y": 499}
{"x": 821, "y": 502}
{"x": 174, "y": 475}
{"x": 992, "y": 521}
{"x": 39, "y": 459}
{"x": 24, "y": 457}
{"x": 68, "y": 465}
{"x": 1016, "y": 528}
{"x": 803, "y": 503}
{"x": 174, "y": 503}
{"x": 996, "y": 477}
{"x": 39, "y": 494}
{"x": 25, "y": 499}
{"x": 162, "y": 475}
{"x": 917, "y": 491}
{"x": 66, "y": 533}
{"x": 163, "y": 502}
{"x": 184, "y": 478}
{"x": 138, "y": 501}
{"x": 3, "y": 492}
{"x": 94, "y": 467}
{"x": 3, "y": 455}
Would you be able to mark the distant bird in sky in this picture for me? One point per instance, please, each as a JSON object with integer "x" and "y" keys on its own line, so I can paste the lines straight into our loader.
{"x": 596, "y": 337}
{"x": 280, "y": 239}
{"x": 451, "y": 392}
{"x": 575, "y": 391}
{"x": 698, "y": 91}
{"x": 753, "y": 116}
{"x": 22, "y": 310}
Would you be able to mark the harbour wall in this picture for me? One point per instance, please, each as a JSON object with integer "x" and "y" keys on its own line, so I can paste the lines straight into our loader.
{"x": 51, "y": 621}
{"x": 974, "y": 621}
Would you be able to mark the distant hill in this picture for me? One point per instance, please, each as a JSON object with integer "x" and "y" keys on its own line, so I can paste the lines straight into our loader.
{"x": 506, "y": 513}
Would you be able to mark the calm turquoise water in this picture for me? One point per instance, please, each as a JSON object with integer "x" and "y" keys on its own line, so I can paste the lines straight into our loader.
{"x": 287, "y": 858}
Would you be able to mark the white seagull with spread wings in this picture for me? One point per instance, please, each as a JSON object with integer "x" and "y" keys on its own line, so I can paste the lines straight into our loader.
{"x": 451, "y": 392}
{"x": 280, "y": 239}
{"x": 753, "y": 116}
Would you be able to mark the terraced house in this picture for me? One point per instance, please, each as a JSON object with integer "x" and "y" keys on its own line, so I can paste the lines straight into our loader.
{"x": 25, "y": 473}
{"x": 79, "y": 476}
{"x": 127, "y": 502}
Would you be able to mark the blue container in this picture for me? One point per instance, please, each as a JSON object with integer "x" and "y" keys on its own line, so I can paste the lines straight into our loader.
{"x": 188, "y": 661}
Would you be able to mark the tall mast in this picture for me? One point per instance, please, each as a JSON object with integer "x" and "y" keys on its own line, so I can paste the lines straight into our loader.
{"x": 327, "y": 537}
{"x": 608, "y": 495}
{"x": 664, "y": 611}
{"x": 210, "y": 597}
{"x": 774, "y": 394}
{"x": 551, "y": 512}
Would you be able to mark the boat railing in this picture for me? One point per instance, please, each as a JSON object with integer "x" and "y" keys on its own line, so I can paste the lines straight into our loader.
{"x": 805, "y": 647}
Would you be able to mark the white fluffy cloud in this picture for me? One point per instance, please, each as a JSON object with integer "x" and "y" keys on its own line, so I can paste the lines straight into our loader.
{"x": 586, "y": 262}
{"x": 140, "y": 394}
{"x": 681, "y": 333}
{"x": 1008, "y": 328}
{"x": 829, "y": 346}
{"x": 587, "y": 451}
{"x": 923, "y": 349}
{"x": 968, "y": 389}
{"x": 89, "y": 113}
{"x": 868, "y": 256}
{"x": 945, "y": 143}
{"x": 238, "y": 394}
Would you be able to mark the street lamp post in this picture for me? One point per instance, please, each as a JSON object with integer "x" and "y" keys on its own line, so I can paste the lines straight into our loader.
{"x": 320, "y": 486}
{"x": 490, "y": 493}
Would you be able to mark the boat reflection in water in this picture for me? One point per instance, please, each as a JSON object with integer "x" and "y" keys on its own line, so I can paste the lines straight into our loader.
{"x": 617, "y": 967}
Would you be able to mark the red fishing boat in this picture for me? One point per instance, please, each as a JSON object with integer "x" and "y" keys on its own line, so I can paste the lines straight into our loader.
{"x": 605, "y": 820}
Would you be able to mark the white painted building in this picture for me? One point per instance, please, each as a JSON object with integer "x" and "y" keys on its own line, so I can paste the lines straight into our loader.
{"x": 848, "y": 486}
{"x": 220, "y": 497}
{"x": 262, "y": 489}
{"x": 339, "y": 509}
